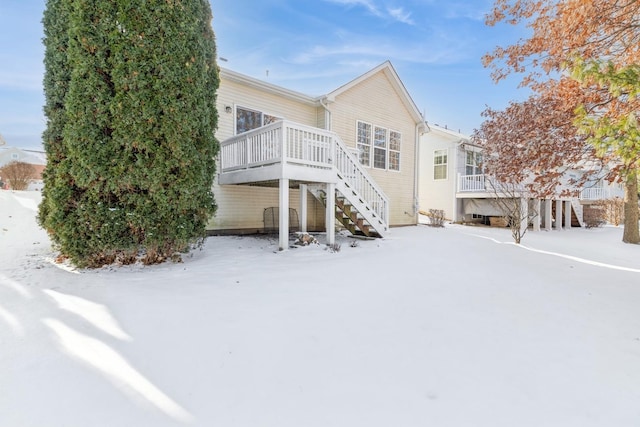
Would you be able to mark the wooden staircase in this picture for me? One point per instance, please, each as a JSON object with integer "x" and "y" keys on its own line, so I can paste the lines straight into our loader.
{"x": 352, "y": 212}
{"x": 577, "y": 213}
{"x": 348, "y": 217}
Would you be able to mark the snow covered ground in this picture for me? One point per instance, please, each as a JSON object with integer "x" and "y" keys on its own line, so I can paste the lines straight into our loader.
{"x": 429, "y": 327}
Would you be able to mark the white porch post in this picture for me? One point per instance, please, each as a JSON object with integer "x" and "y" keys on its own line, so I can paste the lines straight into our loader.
{"x": 284, "y": 214}
{"x": 303, "y": 208}
{"x": 547, "y": 214}
{"x": 567, "y": 214}
{"x": 558, "y": 214}
{"x": 537, "y": 213}
{"x": 524, "y": 215}
{"x": 330, "y": 214}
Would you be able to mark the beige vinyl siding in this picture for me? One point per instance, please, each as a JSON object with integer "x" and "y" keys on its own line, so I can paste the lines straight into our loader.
{"x": 375, "y": 101}
{"x": 241, "y": 207}
{"x": 321, "y": 119}
{"x": 231, "y": 94}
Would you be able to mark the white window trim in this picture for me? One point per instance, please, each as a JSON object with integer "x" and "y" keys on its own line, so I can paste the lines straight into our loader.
{"x": 370, "y": 142}
{"x": 257, "y": 110}
{"x": 446, "y": 165}
{"x": 387, "y": 148}
{"x": 480, "y": 167}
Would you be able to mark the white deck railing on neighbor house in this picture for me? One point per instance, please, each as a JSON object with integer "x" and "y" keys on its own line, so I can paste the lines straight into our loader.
{"x": 301, "y": 145}
{"x": 471, "y": 183}
{"x": 485, "y": 184}
{"x": 598, "y": 193}
{"x": 478, "y": 183}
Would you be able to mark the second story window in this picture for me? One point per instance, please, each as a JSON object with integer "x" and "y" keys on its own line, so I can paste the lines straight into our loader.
{"x": 247, "y": 119}
{"x": 378, "y": 147}
{"x": 440, "y": 164}
{"x": 364, "y": 143}
{"x": 394, "y": 150}
{"x": 473, "y": 163}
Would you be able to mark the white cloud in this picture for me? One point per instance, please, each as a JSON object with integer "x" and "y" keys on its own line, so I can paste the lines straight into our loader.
{"x": 401, "y": 16}
{"x": 463, "y": 10}
{"x": 369, "y": 5}
{"x": 22, "y": 80}
{"x": 395, "y": 13}
{"x": 440, "y": 50}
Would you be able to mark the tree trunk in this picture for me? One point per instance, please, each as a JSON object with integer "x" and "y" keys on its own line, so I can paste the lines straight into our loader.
{"x": 631, "y": 232}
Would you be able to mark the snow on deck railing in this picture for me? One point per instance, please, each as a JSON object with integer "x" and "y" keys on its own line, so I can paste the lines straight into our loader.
{"x": 289, "y": 142}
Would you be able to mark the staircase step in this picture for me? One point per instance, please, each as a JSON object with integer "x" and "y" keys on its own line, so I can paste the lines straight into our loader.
{"x": 351, "y": 210}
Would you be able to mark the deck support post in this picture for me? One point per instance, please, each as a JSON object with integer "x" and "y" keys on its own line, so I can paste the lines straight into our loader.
{"x": 547, "y": 214}
{"x": 303, "y": 208}
{"x": 330, "y": 214}
{"x": 537, "y": 215}
{"x": 284, "y": 214}
{"x": 559, "y": 215}
{"x": 567, "y": 214}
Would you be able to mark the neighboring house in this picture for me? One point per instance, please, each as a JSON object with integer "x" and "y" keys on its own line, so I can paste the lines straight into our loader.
{"x": 600, "y": 189}
{"x": 442, "y": 158}
{"x": 452, "y": 180}
{"x": 349, "y": 155}
{"x": 37, "y": 159}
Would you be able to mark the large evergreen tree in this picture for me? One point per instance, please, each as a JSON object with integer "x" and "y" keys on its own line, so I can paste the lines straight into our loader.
{"x": 132, "y": 133}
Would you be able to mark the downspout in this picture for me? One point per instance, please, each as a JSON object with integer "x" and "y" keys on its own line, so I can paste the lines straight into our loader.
{"x": 416, "y": 176}
{"x": 327, "y": 113}
{"x": 458, "y": 211}
{"x": 456, "y": 181}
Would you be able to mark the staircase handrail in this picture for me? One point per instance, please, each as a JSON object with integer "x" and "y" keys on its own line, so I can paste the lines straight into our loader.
{"x": 353, "y": 173}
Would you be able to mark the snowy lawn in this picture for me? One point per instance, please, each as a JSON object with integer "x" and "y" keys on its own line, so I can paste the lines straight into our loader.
{"x": 429, "y": 327}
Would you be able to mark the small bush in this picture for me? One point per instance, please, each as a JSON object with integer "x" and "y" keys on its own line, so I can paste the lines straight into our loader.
{"x": 334, "y": 247}
{"x": 18, "y": 174}
{"x": 613, "y": 210}
{"x": 594, "y": 216}
{"x": 436, "y": 217}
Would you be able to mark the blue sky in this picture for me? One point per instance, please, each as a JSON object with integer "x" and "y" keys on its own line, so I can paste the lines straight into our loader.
{"x": 309, "y": 46}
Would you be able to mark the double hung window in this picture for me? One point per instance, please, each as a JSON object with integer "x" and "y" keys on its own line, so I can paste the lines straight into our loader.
{"x": 473, "y": 163}
{"x": 440, "y": 164}
{"x": 378, "y": 147}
